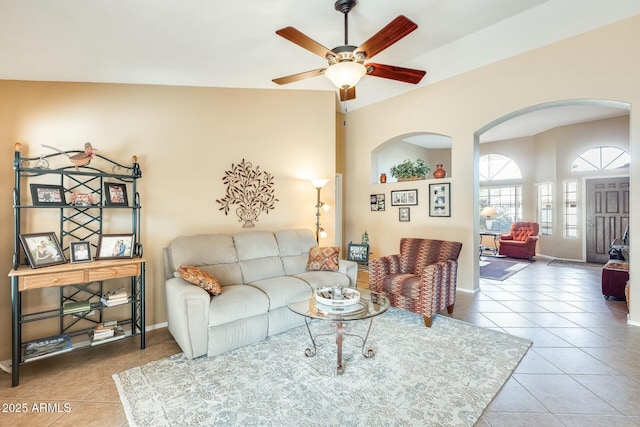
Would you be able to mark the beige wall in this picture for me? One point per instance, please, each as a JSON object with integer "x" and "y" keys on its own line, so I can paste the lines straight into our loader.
{"x": 185, "y": 138}
{"x": 601, "y": 64}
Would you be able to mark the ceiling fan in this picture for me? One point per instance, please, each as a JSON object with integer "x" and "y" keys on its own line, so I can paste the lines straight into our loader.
{"x": 346, "y": 62}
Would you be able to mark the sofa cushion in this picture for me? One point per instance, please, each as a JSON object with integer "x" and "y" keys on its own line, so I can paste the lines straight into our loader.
{"x": 323, "y": 258}
{"x": 258, "y": 255}
{"x": 294, "y": 247}
{"x": 237, "y": 302}
{"x": 321, "y": 279}
{"x": 280, "y": 289}
{"x": 198, "y": 277}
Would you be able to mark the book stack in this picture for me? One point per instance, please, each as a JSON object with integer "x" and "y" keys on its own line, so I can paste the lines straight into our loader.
{"x": 115, "y": 298}
{"x": 76, "y": 307}
{"x": 46, "y": 347}
{"x": 106, "y": 332}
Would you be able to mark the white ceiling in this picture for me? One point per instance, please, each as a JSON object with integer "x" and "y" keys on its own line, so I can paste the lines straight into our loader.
{"x": 233, "y": 44}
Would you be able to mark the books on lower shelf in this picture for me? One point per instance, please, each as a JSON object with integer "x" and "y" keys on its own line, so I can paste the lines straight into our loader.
{"x": 106, "y": 332}
{"x": 46, "y": 347}
{"x": 76, "y": 307}
{"x": 115, "y": 298}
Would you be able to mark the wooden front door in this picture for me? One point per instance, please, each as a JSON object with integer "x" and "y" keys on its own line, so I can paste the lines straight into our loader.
{"x": 607, "y": 215}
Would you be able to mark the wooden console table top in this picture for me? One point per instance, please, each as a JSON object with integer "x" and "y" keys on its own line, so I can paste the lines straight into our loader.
{"x": 74, "y": 273}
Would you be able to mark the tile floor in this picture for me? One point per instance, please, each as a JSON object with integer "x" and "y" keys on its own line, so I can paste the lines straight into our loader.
{"x": 582, "y": 370}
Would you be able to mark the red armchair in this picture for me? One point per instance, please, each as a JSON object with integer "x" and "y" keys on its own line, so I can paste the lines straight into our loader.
{"x": 421, "y": 279}
{"x": 521, "y": 240}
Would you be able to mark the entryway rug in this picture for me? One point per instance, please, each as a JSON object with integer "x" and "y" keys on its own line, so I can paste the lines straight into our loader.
{"x": 445, "y": 375}
{"x": 500, "y": 269}
{"x": 576, "y": 264}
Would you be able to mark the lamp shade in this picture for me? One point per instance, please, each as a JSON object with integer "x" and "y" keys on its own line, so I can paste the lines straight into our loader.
{"x": 489, "y": 211}
{"x": 345, "y": 74}
{"x": 319, "y": 182}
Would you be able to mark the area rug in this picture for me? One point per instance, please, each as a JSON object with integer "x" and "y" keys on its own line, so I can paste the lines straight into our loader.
{"x": 500, "y": 269}
{"x": 445, "y": 375}
{"x": 576, "y": 264}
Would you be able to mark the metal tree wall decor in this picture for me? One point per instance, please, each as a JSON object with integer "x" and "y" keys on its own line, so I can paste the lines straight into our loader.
{"x": 249, "y": 188}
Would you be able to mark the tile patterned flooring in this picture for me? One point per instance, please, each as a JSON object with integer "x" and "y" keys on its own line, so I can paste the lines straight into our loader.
{"x": 582, "y": 370}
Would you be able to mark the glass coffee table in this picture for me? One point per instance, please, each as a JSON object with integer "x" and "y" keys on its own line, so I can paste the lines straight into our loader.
{"x": 370, "y": 305}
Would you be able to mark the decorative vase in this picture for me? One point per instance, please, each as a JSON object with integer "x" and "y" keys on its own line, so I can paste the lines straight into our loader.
{"x": 383, "y": 178}
{"x": 439, "y": 172}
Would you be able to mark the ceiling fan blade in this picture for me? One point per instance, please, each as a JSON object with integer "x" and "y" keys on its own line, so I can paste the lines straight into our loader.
{"x": 407, "y": 75}
{"x": 300, "y": 76}
{"x": 305, "y": 42}
{"x": 347, "y": 94}
{"x": 394, "y": 31}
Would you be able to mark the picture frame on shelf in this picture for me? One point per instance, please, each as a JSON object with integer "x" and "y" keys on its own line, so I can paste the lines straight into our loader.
{"x": 404, "y": 197}
{"x": 80, "y": 199}
{"x": 440, "y": 200}
{"x": 80, "y": 251}
{"x": 115, "y": 194}
{"x": 377, "y": 202}
{"x": 358, "y": 253}
{"x": 404, "y": 214}
{"x": 47, "y": 195}
{"x": 115, "y": 246}
{"x": 42, "y": 249}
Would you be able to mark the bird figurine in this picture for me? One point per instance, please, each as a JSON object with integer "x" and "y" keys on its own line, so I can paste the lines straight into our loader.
{"x": 79, "y": 159}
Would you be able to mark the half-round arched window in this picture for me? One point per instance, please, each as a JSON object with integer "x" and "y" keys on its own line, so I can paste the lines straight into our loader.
{"x": 496, "y": 167}
{"x": 601, "y": 158}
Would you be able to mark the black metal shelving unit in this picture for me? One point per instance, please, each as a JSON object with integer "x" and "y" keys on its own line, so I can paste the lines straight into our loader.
{"x": 76, "y": 223}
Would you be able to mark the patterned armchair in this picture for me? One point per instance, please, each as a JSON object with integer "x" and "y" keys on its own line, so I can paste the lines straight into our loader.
{"x": 421, "y": 279}
{"x": 521, "y": 240}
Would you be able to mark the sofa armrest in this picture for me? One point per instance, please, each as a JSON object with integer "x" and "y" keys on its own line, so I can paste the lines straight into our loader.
{"x": 381, "y": 267}
{"x": 506, "y": 237}
{"x": 438, "y": 284}
{"x": 350, "y": 269}
{"x": 188, "y": 316}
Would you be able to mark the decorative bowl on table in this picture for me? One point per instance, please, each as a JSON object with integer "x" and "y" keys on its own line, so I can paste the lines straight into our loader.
{"x": 337, "y": 296}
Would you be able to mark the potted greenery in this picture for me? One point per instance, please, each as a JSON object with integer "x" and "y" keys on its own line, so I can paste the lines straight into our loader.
{"x": 409, "y": 170}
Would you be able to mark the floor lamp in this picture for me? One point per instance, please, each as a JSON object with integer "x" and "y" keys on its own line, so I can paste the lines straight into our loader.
{"x": 319, "y": 184}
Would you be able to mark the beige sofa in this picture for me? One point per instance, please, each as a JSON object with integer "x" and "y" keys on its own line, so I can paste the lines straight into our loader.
{"x": 258, "y": 272}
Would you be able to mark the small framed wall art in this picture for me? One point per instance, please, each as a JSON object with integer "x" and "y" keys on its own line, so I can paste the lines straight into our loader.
{"x": 440, "y": 199}
{"x": 404, "y": 198}
{"x": 404, "y": 214}
{"x": 377, "y": 202}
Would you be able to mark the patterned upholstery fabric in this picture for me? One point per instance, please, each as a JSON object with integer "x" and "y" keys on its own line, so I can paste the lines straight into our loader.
{"x": 421, "y": 279}
{"x": 521, "y": 240}
{"x": 323, "y": 258}
{"x": 198, "y": 277}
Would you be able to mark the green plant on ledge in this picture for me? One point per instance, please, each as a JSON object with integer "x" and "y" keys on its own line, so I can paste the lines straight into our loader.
{"x": 409, "y": 170}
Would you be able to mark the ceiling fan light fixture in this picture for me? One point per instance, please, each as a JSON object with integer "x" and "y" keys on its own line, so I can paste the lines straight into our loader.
{"x": 345, "y": 74}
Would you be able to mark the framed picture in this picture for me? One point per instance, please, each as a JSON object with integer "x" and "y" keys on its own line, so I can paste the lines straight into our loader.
{"x": 358, "y": 253}
{"x": 115, "y": 194}
{"x": 377, "y": 202}
{"x": 78, "y": 199}
{"x": 42, "y": 249}
{"x": 47, "y": 195}
{"x": 80, "y": 251}
{"x": 439, "y": 199}
{"x": 404, "y": 198}
{"x": 404, "y": 214}
{"x": 114, "y": 246}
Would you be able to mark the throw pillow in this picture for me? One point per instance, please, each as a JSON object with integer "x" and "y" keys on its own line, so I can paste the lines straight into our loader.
{"x": 196, "y": 276}
{"x": 325, "y": 258}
